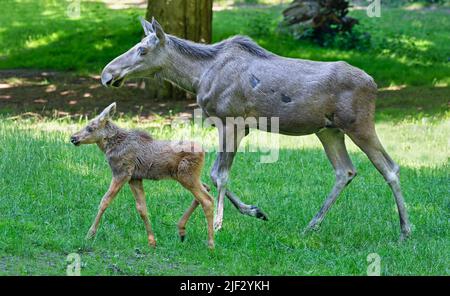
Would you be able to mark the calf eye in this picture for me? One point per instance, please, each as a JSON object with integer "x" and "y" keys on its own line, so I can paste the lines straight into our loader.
{"x": 89, "y": 129}
{"x": 142, "y": 51}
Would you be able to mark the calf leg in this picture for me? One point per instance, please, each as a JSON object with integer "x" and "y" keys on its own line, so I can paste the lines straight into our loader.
{"x": 116, "y": 185}
{"x": 368, "y": 141}
{"x": 202, "y": 197}
{"x": 185, "y": 218}
{"x": 141, "y": 206}
{"x": 334, "y": 144}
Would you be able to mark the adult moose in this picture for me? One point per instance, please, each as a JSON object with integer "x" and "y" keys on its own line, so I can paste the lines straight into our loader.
{"x": 238, "y": 78}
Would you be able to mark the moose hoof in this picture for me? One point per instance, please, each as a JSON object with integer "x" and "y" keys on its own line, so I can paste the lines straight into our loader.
{"x": 256, "y": 212}
{"x": 311, "y": 227}
{"x": 406, "y": 233}
{"x": 90, "y": 235}
{"x": 182, "y": 237}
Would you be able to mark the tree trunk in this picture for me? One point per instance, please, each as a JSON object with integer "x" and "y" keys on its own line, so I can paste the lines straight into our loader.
{"x": 187, "y": 19}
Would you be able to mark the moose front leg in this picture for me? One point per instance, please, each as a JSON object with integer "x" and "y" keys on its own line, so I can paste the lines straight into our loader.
{"x": 114, "y": 188}
{"x": 220, "y": 172}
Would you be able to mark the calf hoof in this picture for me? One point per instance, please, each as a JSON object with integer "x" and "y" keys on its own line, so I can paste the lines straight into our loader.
{"x": 182, "y": 233}
{"x": 151, "y": 242}
{"x": 211, "y": 246}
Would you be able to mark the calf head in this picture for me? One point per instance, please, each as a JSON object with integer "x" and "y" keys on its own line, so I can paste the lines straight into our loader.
{"x": 95, "y": 130}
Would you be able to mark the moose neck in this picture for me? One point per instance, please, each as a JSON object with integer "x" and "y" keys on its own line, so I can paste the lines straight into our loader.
{"x": 183, "y": 67}
{"x": 114, "y": 136}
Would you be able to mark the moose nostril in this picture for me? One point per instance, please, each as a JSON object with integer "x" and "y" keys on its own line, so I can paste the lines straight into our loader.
{"x": 73, "y": 139}
{"x": 107, "y": 78}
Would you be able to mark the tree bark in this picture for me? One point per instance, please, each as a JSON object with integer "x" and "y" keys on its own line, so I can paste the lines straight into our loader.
{"x": 187, "y": 19}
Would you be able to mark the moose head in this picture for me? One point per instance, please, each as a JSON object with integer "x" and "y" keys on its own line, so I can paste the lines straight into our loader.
{"x": 143, "y": 59}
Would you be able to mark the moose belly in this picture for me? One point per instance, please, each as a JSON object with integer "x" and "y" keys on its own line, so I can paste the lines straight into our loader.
{"x": 291, "y": 126}
{"x": 283, "y": 120}
{"x": 294, "y": 116}
{"x": 278, "y": 111}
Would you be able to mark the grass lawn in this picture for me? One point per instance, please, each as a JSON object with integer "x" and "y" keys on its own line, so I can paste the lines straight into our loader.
{"x": 50, "y": 190}
{"x": 409, "y": 47}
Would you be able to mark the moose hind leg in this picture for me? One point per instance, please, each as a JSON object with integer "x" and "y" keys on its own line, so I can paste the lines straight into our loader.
{"x": 370, "y": 144}
{"x": 334, "y": 144}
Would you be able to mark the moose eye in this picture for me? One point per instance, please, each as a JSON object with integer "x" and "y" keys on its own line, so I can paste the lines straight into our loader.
{"x": 142, "y": 51}
{"x": 89, "y": 129}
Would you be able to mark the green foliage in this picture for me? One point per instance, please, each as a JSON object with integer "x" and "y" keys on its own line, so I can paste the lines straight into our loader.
{"x": 347, "y": 40}
{"x": 408, "y": 47}
{"x": 398, "y": 3}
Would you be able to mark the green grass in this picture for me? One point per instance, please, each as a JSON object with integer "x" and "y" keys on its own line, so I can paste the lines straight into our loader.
{"x": 50, "y": 190}
{"x": 409, "y": 47}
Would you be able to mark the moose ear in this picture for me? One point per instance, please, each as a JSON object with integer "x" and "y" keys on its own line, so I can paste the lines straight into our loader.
{"x": 158, "y": 30}
{"x": 147, "y": 26}
{"x": 108, "y": 112}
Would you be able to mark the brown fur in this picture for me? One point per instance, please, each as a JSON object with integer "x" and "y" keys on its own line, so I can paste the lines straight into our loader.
{"x": 133, "y": 155}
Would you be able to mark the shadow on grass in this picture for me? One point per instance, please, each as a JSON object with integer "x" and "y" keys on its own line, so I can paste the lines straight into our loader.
{"x": 57, "y": 94}
{"x": 412, "y": 103}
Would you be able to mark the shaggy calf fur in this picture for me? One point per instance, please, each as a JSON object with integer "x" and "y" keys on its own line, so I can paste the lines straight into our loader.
{"x": 134, "y": 155}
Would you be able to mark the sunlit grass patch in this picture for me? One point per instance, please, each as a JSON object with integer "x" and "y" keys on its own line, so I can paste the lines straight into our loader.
{"x": 50, "y": 190}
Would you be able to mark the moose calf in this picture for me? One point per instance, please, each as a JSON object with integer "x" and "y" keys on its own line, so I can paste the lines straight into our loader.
{"x": 134, "y": 155}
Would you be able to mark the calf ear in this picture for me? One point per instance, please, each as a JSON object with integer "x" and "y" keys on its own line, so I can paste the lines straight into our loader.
{"x": 158, "y": 30}
{"x": 108, "y": 112}
{"x": 147, "y": 26}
